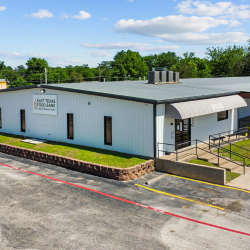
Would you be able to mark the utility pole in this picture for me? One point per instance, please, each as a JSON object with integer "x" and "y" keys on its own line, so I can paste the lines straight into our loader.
{"x": 45, "y": 76}
{"x": 99, "y": 71}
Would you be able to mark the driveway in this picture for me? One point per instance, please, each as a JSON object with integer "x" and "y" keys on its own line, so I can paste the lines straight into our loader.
{"x": 47, "y": 207}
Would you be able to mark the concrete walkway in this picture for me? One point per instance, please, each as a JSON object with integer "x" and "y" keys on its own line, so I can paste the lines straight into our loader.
{"x": 243, "y": 181}
{"x": 187, "y": 153}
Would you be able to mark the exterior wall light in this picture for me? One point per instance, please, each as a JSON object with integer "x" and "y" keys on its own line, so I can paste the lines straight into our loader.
{"x": 42, "y": 90}
{"x": 89, "y": 103}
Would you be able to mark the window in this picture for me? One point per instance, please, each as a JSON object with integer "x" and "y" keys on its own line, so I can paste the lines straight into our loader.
{"x": 0, "y": 118}
{"x": 23, "y": 120}
{"x": 108, "y": 130}
{"x": 222, "y": 115}
{"x": 70, "y": 126}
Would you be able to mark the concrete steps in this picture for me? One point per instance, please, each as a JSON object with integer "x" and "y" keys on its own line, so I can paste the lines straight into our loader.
{"x": 230, "y": 166}
{"x": 207, "y": 157}
{"x": 221, "y": 162}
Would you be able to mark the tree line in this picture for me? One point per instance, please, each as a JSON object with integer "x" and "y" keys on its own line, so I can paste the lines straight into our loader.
{"x": 129, "y": 65}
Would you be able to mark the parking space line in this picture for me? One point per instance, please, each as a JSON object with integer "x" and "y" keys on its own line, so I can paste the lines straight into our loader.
{"x": 132, "y": 202}
{"x": 208, "y": 183}
{"x": 179, "y": 197}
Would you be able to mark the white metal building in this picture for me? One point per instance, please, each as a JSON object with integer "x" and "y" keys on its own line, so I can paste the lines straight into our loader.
{"x": 129, "y": 117}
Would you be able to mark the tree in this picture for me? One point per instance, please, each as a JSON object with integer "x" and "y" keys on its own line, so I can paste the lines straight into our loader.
{"x": 2, "y": 66}
{"x": 21, "y": 70}
{"x": 151, "y": 61}
{"x": 164, "y": 60}
{"x": 227, "y": 61}
{"x": 167, "y": 59}
{"x": 106, "y": 71}
{"x": 9, "y": 74}
{"x": 129, "y": 63}
{"x": 192, "y": 67}
{"x": 76, "y": 77}
{"x": 36, "y": 65}
{"x": 19, "y": 82}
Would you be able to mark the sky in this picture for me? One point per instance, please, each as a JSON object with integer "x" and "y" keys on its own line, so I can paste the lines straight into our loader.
{"x": 78, "y": 32}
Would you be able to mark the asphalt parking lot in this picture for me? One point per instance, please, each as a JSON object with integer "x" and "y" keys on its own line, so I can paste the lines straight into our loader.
{"x": 64, "y": 209}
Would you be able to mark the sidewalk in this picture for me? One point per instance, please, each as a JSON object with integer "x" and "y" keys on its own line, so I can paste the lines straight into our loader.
{"x": 242, "y": 181}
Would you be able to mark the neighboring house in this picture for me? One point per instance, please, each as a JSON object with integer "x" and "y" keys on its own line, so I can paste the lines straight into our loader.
{"x": 3, "y": 83}
{"x": 129, "y": 117}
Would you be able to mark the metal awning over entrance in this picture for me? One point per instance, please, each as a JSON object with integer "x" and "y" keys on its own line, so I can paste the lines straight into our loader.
{"x": 184, "y": 110}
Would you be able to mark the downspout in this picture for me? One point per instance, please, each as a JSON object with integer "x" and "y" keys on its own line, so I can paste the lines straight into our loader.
{"x": 154, "y": 128}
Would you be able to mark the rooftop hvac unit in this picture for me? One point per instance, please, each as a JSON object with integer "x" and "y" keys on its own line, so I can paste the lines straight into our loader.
{"x": 170, "y": 77}
{"x": 163, "y": 76}
{"x": 153, "y": 77}
{"x": 176, "y": 76}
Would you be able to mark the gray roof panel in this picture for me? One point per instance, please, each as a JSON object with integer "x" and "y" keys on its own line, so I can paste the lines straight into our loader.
{"x": 188, "y": 89}
{"x": 195, "y": 88}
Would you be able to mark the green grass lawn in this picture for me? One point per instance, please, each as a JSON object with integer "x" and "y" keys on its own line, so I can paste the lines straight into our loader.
{"x": 89, "y": 154}
{"x": 244, "y": 144}
{"x": 229, "y": 175}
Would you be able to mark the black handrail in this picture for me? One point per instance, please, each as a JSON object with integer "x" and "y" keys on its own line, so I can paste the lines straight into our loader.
{"x": 196, "y": 147}
{"x": 234, "y": 153}
{"x": 226, "y": 159}
{"x": 239, "y": 146}
{"x": 219, "y": 136}
{"x": 229, "y": 131}
{"x": 169, "y": 144}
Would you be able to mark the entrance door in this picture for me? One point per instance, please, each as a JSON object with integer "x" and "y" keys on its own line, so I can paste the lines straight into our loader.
{"x": 182, "y": 132}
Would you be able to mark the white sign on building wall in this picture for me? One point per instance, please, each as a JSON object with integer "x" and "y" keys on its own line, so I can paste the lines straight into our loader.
{"x": 45, "y": 104}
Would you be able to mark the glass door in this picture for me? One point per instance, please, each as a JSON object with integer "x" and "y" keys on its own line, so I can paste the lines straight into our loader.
{"x": 182, "y": 132}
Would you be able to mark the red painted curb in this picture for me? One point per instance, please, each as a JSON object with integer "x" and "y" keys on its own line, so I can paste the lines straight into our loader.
{"x": 131, "y": 202}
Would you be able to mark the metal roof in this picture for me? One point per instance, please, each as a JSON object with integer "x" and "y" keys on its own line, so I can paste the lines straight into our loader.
{"x": 189, "y": 89}
{"x": 184, "y": 110}
{"x": 197, "y": 88}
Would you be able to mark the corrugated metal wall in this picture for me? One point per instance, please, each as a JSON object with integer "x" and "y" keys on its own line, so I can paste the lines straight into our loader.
{"x": 203, "y": 127}
{"x": 132, "y": 122}
{"x": 245, "y": 111}
{"x": 207, "y": 125}
{"x": 160, "y": 117}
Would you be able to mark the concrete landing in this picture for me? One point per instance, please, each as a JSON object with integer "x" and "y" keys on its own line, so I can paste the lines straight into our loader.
{"x": 242, "y": 181}
{"x": 188, "y": 153}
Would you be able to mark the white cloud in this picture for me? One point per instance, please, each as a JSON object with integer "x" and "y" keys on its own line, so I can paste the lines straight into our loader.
{"x": 99, "y": 54}
{"x": 119, "y": 45}
{"x": 2, "y": 8}
{"x": 83, "y": 15}
{"x": 181, "y": 29}
{"x": 14, "y": 55}
{"x": 205, "y": 8}
{"x": 124, "y": 45}
{"x": 206, "y": 39}
{"x": 159, "y": 41}
{"x": 160, "y": 48}
{"x": 234, "y": 23}
{"x": 42, "y": 13}
{"x": 64, "y": 16}
{"x": 51, "y": 58}
{"x": 168, "y": 25}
